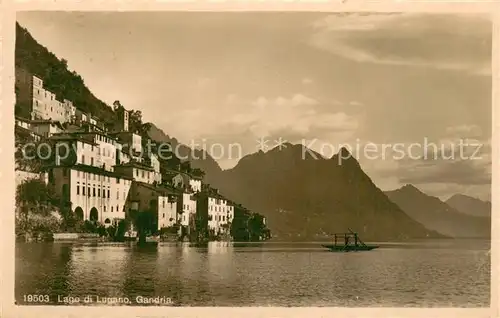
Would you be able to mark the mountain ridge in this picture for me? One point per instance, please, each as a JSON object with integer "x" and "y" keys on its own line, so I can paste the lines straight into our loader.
{"x": 318, "y": 197}
{"x": 436, "y": 215}
{"x": 470, "y": 205}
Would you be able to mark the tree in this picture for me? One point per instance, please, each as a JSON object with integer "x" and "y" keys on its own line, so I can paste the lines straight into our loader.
{"x": 121, "y": 230}
{"x": 135, "y": 122}
{"x": 145, "y": 223}
{"x": 197, "y": 172}
{"x": 36, "y": 196}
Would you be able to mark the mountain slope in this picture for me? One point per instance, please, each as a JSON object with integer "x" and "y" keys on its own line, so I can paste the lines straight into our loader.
{"x": 38, "y": 60}
{"x": 437, "y": 215}
{"x": 469, "y": 205}
{"x": 198, "y": 157}
{"x": 307, "y": 198}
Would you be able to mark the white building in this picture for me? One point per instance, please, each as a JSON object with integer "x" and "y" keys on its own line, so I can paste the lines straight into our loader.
{"x": 42, "y": 102}
{"x": 46, "y": 128}
{"x": 155, "y": 164}
{"x": 137, "y": 171}
{"x": 188, "y": 208}
{"x": 131, "y": 144}
{"x": 185, "y": 181}
{"x": 95, "y": 194}
{"x": 23, "y": 128}
{"x": 195, "y": 184}
{"x": 93, "y": 149}
{"x": 161, "y": 201}
{"x": 219, "y": 213}
{"x": 218, "y": 210}
{"x": 167, "y": 211}
{"x": 23, "y": 123}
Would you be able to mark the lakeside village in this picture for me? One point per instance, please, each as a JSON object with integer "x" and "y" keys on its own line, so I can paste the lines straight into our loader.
{"x": 106, "y": 186}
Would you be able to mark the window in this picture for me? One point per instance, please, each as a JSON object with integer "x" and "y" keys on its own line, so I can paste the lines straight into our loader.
{"x": 93, "y": 192}
{"x": 117, "y": 208}
{"x": 108, "y": 194}
{"x": 99, "y": 193}
{"x": 136, "y": 172}
{"x": 143, "y": 173}
{"x": 163, "y": 201}
{"x": 104, "y": 207}
{"x": 111, "y": 208}
{"x": 83, "y": 159}
{"x": 88, "y": 191}
{"x": 83, "y": 190}
{"x": 91, "y": 161}
{"x": 163, "y": 215}
{"x": 117, "y": 180}
{"x": 223, "y": 218}
{"x": 148, "y": 174}
{"x": 78, "y": 190}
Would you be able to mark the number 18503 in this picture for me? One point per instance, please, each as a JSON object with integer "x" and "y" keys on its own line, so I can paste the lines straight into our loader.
{"x": 36, "y": 298}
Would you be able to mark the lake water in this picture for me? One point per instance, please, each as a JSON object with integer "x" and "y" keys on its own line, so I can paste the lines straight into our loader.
{"x": 433, "y": 274}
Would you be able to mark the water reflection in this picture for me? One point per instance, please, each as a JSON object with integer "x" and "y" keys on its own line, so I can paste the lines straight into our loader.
{"x": 105, "y": 268}
{"x": 229, "y": 274}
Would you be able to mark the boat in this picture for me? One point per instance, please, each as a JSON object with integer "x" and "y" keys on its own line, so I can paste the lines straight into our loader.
{"x": 348, "y": 242}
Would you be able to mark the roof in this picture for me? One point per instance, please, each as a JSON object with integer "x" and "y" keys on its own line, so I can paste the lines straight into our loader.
{"x": 92, "y": 169}
{"x": 158, "y": 189}
{"x": 93, "y": 133}
{"x": 135, "y": 164}
{"x": 185, "y": 176}
{"x": 26, "y": 130}
{"x": 209, "y": 195}
{"x": 22, "y": 118}
{"x": 66, "y": 136}
{"x": 44, "y": 122}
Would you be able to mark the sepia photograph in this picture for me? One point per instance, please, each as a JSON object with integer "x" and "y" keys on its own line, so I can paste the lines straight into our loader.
{"x": 253, "y": 159}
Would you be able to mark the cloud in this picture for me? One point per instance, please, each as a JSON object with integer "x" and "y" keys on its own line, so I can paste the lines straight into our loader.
{"x": 294, "y": 117}
{"x": 465, "y": 130}
{"x": 355, "y": 103}
{"x": 297, "y": 115}
{"x": 413, "y": 40}
{"x": 307, "y": 81}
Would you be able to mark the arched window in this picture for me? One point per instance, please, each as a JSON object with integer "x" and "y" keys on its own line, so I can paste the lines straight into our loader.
{"x": 79, "y": 213}
{"x": 94, "y": 215}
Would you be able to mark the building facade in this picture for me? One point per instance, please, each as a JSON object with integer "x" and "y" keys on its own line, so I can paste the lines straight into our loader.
{"x": 95, "y": 194}
{"x": 43, "y": 103}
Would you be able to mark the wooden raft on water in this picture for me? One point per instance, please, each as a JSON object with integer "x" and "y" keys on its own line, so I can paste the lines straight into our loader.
{"x": 348, "y": 242}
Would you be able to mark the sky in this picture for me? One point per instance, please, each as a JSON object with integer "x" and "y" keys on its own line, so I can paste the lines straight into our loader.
{"x": 420, "y": 82}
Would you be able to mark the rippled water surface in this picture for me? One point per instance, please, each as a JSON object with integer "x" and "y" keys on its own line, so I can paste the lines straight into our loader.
{"x": 432, "y": 274}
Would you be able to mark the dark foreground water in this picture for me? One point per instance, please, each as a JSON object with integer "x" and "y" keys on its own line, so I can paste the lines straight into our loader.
{"x": 434, "y": 274}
